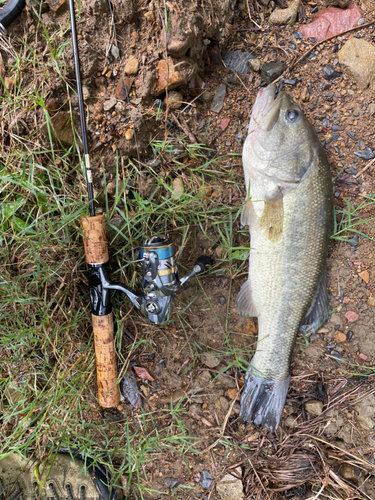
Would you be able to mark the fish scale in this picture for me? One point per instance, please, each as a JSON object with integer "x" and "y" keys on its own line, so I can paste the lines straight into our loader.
{"x": 289, "y": 213}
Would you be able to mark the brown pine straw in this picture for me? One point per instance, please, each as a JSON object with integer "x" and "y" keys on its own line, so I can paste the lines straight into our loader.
{"x": 303, "y": 458}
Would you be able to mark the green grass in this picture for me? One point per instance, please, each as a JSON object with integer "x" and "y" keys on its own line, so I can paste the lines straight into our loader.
{"x": 47, "y": 362}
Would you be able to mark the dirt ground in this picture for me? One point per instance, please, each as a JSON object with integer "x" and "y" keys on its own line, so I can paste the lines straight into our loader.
{"x": 325, "y": 445}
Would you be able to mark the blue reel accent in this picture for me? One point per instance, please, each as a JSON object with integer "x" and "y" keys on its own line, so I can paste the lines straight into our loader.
{"x": 163, "y": 253}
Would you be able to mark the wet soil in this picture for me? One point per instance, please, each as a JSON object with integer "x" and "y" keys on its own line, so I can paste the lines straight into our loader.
{"x": 193, "y": 359}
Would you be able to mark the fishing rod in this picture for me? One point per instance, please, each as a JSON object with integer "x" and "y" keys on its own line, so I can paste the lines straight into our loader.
{"x": 160, "y": 280}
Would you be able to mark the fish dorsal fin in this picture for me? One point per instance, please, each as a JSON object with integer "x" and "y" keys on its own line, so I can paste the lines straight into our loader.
{"x": 244, "y": 301}
{"x": 319, "y": 310}
{"x": 247, "y": 214}
{"x": 272, "y": 218}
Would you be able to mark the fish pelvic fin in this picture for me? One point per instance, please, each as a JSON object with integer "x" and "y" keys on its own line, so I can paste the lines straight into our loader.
{"x": 244, "y": 301}
{"x": 263, "y": 399}
{"x": 319, "y": 310}
{"x": 247, "y": 213}
{"x": 272, "y": 218}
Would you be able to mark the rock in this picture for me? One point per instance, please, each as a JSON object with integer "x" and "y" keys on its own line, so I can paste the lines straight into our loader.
{"x": 371, "y": 301}
{"x": 169, "y": 76}
{"x": 174, "y": 99}
{"x": 231, "y": 487}
{"x": 195, "y": 408}
{"x": 339, "y": 337}
{"x": 10, "y": 82}
{"x": 206, "y": 96}
{"x": 255, "y": 64}
{"x": 224, "y": 123}
{"x": 178, "y": 187}
{"x": 314, "y": 407}
{"x": 338, "y": 3}
{"x": 357, "y": 58}
{"x": 271, "y": 71}
{"x": 150, "y": 16}
{"x": 62, "y": 128}
{"x": 365, "y": 154}
{"x": 365, "y": 412}
{"x": 131, "y": 66}
{"x": 286, "y": 16}
{"x": 364, "y": 275}
{"x": 347, "y": 471}
{"x": 108, "y": 105}
{"x": 114, "y": 235}
{"x": 329, "y": 73}
{"x": 206, "y": 480}
{"x": 237, "y": 60}
{"x": 209, "y": 360}
{"x": 171, "y": 482}
{"x": 129, "y": 134}
{"x": 371, "y": 109}
{"x": 55, "y": 4}
{"x": 218, "y": 100}
{"x": 351, "y": 316}
{"x": 332, "y": 21}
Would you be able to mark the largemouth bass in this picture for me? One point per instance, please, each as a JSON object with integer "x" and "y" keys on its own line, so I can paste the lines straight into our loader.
{"x": 289, "y": 214}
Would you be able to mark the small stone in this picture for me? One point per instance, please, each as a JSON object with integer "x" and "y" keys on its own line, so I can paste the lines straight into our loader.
{"x": 371, "y": 301}
{"x": 337, "y": 356}
{"x": 209, "y": 360}
{"x": 10, "y": 82}
{"x": 363, "y": 356}
{"x": 174, "y": 99}
{"x": 218, "y": 100}
{"x": 314, "y": 407}
{"x": 271, "y": 71}
{"x": 371, "y": 109}
{"x": 237, "y": 60}
{"x": 286, "y": 17}
{"x": 224, "y": 403}
{"x": 329, "y": 73}
{"x": 55, "y": 4}
{"x": 365, "y": 154}
{"x": 351, "y": 316}
{"x": 171, "y": 482}
{"x": 108, "y": 105}
{"x": 178, "y": 187}
{"x": 357, "y": 58}
{"x": 339, "y": 336}
{"x": 62, "y": 128}
{"x": 255, "y": 64}
{"x": 287, "y": 81}
{"x": 298, "y": 35}
{"x": 336, "y": 128}
{"x": 347, "y": 471}
{"x": 305, "y": 94}
{"x": 206, "y": 96}
{"x": 350, "y": 171}
{"x": 206, "y": 480}
{"x": 168, "y": 76}
{"x": 195, "y": 408}
{"x": 224, "y": 123}
{"x": 150, "y": 16}
{"x": 129, "y": 134}
{"x": 231, "y": 487}
{"x": 222, "y": 300}
{"x": 131, "y": 66}
{"x": 365, "y": 276}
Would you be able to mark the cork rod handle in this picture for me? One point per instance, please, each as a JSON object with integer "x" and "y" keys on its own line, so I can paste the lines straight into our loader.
{"x": 96, "y": 251}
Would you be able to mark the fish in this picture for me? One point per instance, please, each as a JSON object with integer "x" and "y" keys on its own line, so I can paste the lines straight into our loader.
{"x": 289, "y": 211}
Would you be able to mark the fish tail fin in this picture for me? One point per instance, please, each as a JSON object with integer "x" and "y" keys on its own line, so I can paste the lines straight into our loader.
{"x": 263, "y": 399}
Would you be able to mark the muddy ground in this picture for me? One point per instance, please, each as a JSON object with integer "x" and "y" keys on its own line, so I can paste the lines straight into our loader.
{"x": 326, "y": 439}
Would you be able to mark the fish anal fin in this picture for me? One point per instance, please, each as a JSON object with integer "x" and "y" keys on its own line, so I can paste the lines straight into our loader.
{"x": 272, "y": 218}
{"x": 244, "y": 301}
{"x": 319, "y": 310}
{"x": 263, "y": 399}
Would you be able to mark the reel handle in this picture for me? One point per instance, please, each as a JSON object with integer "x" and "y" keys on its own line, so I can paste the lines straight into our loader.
{"x": 96, "y": 252}
{"x": 203, "y": 262}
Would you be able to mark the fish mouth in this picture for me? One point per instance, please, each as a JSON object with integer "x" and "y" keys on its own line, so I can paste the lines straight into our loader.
{"x": 266, "y": 99}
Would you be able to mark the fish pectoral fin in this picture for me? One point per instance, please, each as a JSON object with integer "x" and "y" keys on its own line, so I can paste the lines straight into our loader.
{"x": 319, "y": 310}
{"x": 272, "y": 218}
{"x": 247, "y": 214}
{"x": 263, "y": 399}
{"x": 244, "y": 301}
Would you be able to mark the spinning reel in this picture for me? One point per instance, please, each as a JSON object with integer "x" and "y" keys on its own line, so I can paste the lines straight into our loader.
{"x": 159, "y": 284}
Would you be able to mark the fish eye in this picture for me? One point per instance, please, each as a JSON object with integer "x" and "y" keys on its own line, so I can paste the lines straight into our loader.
{"x": 292, "y": 115}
